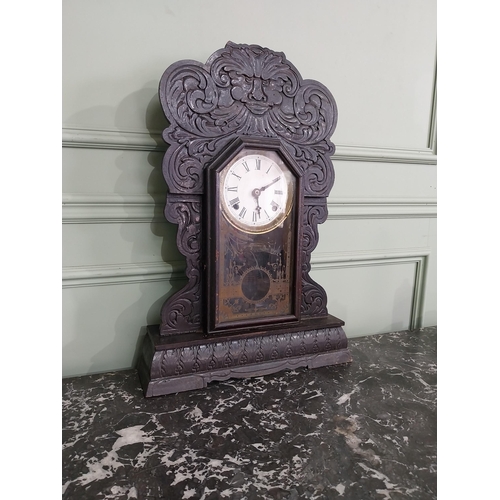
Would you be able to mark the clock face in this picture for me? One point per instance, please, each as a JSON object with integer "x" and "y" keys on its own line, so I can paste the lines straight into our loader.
{"x": 256, "y": 192}
{"x": 255, "y": 280}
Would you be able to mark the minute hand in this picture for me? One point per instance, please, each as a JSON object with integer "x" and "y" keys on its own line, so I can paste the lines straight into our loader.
{"x": 270, "y": 184}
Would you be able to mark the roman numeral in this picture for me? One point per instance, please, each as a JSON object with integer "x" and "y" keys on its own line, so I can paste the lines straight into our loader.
{"x": 254, "y": 217}
{"x": 236, "y": 175}
{"x": 234, "y": 201}
{"x": 257, "y": 163}
{"x": 243, "y": 212}
{"x": 246, "y": 166}
{"x": 278, "y": 191}
{"x": 267, "y": 171}
{"x": 274, "y": 206}
{"x": 233, "y": 188}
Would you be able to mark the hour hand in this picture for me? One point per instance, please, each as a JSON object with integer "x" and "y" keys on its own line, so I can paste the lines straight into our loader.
{"x": 256, "y": 194}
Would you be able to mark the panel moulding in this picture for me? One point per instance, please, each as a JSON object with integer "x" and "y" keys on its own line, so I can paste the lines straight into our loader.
{"x": 382, "y": 208}
{"x": 114, "y": 208}
{"x": 418, "y": 257}
{"x": 152, "y": 141}
{"x": 122, "y": 274}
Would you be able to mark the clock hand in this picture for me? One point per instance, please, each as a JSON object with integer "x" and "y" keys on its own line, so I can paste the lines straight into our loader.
{"x": 270, "y": 184}
{"x": 256, "y": 194}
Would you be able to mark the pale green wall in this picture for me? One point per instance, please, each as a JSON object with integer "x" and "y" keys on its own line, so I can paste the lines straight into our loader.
{"x": 377, "y": 251}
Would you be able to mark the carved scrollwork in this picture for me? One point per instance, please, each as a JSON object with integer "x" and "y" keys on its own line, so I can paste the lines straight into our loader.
{"x": 182, "y": 311}
{"x": 188, "y": 174}
{"x": 244, "y": 90}
{"x": 188, "y": 94}
{"x": 189, "y": 159}
{"x": 316, "y": 111}
{"x": 187, "y": 214}
{"x": 315, "y": 212}
{"x": 314, "y": 297}
{"x": 318, "y": 172}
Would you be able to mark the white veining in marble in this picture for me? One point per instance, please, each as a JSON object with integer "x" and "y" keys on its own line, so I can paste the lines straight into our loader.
{"x": 356, "y": 432}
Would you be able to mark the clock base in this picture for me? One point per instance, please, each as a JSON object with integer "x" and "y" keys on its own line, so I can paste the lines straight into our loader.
{"x": 190, "y": 361}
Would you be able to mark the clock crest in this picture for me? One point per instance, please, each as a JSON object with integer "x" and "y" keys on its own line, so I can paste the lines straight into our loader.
{"x": 248, "y": 171}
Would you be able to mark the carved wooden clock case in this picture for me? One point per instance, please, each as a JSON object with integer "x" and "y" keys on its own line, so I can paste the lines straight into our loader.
{"x": 248, "y": 171}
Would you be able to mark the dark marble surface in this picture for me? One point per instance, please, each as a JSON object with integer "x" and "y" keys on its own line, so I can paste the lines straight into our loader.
{"x": 362, "y": 431}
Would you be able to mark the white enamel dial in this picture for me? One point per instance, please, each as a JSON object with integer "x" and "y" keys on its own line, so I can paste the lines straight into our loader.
{"x": 256, "y": 193}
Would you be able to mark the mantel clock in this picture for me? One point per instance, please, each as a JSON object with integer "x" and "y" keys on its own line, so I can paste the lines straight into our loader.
{"x": 248, "y": 170}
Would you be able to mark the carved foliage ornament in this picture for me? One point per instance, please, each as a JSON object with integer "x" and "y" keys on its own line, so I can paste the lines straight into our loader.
{"x": 242, "y": 90}
{"x": 245, "y": 90}
{"x": 248, "y": 170}
{"x": 240, "y": 352}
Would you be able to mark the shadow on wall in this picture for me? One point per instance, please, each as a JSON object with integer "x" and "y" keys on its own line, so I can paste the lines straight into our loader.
{"x": 122, "y": 325}
{"x": 155, "y": 123}
{"x": 139, "y": 107}
{"x": 129, "y": 332}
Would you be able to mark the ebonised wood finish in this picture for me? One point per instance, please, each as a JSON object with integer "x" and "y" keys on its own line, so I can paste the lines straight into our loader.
{"x": 255, "y": 95}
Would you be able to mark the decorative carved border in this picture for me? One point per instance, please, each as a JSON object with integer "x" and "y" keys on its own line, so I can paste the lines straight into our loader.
{"x": 247, "y": 351}
{"x": 242, "y": 91}
{"x": 171, "y": 369}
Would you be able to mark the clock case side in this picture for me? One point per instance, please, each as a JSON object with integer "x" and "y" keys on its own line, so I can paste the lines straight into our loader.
{"x": 211, "y": 229}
